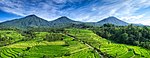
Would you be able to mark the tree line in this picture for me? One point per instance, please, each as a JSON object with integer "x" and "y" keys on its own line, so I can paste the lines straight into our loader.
{"x": 132, "y": 35}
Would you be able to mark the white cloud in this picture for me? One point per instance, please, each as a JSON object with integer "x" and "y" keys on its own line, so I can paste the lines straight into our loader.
{"x": 44, "y": 10}
{"x": 128, "y": 18}
{"x": 144, "y": 22}
{"x": 123, "y": 9}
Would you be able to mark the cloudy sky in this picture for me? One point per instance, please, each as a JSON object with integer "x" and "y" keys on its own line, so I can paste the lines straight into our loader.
{"x": 132, "y": 11}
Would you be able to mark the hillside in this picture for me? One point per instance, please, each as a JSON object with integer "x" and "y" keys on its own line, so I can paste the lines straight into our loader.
{"x": 46, "y": 45}
{"x": 106, "y": 47}
{"x": 28, "y": 21}
{"x": 35, "y": 21}
{"x": 112, "y": 20}
{"x": 63, "y": 22}
{"x": 68, "y": 43}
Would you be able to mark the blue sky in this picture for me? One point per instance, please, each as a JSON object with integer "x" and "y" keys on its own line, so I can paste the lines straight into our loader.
{"x": 132, "y": 11}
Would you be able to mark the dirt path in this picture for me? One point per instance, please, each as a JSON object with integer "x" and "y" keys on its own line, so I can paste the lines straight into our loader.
{"x": 95, "y": 50}
{"x": 99, "y": 53}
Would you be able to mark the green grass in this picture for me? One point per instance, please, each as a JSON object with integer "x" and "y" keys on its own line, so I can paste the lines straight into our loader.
{"x": 10, "y": 52}
{"x": 66, "y": 48}
{"x": 128, "y": 54}
{"x": 10, "y": 37}
{"x": 108, "y": 47}
{"x": 49, "y": 50}
{"x": 31, "y": 43}
{"x": 86, "y": 53}
{"x": 41, "y": 35}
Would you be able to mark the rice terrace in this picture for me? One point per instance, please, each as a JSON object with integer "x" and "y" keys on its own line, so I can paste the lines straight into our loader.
{"x": 74, "y": 29}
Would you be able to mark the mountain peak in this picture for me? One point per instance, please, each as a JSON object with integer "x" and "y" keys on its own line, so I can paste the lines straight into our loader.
{"x": 111, "y": 17}
{"x": 28, "y": 21}
{"x": 112, "y": 20}
{"x": 33, "y": 15}
{"x": 64, "y": 19}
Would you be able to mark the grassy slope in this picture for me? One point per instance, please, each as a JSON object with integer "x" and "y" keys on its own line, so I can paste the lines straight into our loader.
{"x": 37, "y": 48}
{"x": 107, "y": 47}
{"x": 70, "y": 48}
{"x": 13, "y": 35}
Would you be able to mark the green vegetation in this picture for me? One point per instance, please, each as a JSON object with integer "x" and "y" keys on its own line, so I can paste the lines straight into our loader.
{"x": 34, "y": 37}
{"x": 131, "y": 35}
{"x": 46, "y": 51}
{"x": 40, "y": 47}
{"x": 65, "y": 43}
{"x": 107, "y": 47}
{"x": 9, "y": 37}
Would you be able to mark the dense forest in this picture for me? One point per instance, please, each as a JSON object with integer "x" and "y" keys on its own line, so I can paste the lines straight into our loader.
{"x": 131, "y": 35}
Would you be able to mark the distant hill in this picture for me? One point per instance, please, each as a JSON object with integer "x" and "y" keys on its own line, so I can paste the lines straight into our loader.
{"x": 112, "y": 20}
{"x": 63, "y": 22}
{"x": 35, "y": 21}
{"x": 28, "y": 21}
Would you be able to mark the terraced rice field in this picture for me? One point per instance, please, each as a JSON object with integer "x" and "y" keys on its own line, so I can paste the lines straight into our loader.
{"x": 10, "y": 52}
{"x": 77, "y": 43}
{"x": 7, "y": 35}
{"x": 107, "y": 47}
{"x": 67, "y": 48}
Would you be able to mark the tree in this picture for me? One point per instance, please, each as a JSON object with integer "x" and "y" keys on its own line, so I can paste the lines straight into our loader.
{"x": 29, "y": 34}
{"x": 136, "y": 43}
{"x": 108, "y": 25}
{"x": 124, "y": 37}
{"x": 132, "y": 35}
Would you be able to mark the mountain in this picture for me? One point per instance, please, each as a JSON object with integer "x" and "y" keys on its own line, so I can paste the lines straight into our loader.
{"x": 28, "y": 21}
{"x": 63, "y": 22}
{"x": 63, "y": 19}
{"x": 112, "y": 20}
{"x": 35, "y": 21}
